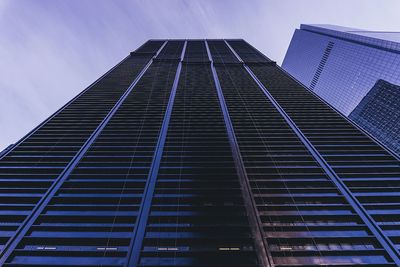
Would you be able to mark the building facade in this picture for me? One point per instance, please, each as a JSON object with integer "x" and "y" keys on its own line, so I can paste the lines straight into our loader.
{"x": 342, "y": 65}
{"x": 198, "y": 153}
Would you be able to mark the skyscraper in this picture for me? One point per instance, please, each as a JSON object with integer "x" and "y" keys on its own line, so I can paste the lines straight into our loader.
{"x": 198, "y": 153}
{"x": 343, "y": 66}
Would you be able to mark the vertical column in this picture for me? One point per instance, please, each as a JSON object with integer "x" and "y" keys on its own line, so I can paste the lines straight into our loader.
{"x": 384, "y": 241}
{"x": 45, "y": 199}
{"x": 263, "y": 254}
{"x": 139, "y": 231}
{"x": 198, "y": 216}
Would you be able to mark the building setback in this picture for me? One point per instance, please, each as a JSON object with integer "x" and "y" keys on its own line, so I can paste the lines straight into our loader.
{"x": 198, "y": 153}
{"x": 343, "y": 65}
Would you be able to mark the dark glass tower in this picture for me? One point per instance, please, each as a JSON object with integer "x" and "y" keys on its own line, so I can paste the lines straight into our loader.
{"x": 198, "y": 153}
{"x": 379, "y": 113}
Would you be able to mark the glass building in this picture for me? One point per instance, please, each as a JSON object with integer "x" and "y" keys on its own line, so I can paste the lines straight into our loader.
{"x": 341, "y": 65}
{"x": 198, "y": 153}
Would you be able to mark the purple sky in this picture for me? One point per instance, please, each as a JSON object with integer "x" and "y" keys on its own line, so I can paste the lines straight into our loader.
{"x": 50, "y": 50}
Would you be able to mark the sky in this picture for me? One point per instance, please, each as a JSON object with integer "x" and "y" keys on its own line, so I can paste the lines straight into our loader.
{"x": 50, "y": 50}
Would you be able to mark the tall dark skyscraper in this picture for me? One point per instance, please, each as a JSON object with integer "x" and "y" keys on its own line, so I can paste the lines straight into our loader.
{"x": 347, "y": 67}
{"x": 198, "y": 153}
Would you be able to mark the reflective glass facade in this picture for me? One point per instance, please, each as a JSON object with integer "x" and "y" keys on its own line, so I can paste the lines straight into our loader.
{"x": 379, "y": 112}
{"x": 198, "y": 153}
{"x": 342, "y": 65}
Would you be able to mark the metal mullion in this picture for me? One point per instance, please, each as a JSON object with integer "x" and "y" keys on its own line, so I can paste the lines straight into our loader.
{"x": 377, "y": 232}
{"x": 139, "y": 231}
{"x": 263, "y": 254}
{"x": 28, "y": 222}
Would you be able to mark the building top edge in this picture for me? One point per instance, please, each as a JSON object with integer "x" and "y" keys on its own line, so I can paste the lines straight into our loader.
{"x": 378, "y": 39}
